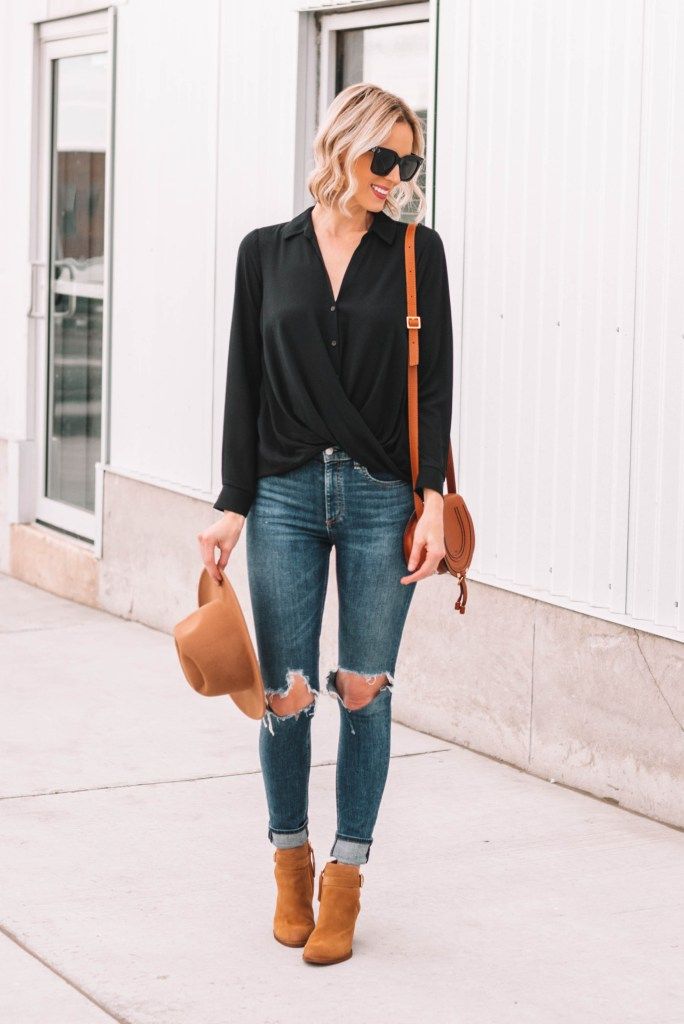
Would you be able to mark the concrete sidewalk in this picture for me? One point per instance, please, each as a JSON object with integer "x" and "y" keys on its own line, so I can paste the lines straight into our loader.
{"x": 137, "y": 884}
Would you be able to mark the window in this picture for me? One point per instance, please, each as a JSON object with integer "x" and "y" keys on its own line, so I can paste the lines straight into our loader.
{"x": 390, "y": 46}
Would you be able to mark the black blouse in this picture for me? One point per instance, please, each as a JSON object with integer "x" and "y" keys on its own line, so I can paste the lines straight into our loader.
{"x": 306, "y": 371}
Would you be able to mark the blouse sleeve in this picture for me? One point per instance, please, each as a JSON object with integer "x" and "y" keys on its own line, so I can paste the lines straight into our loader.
{"x": 435, "y": 364}
{"x": 243, "y": 383}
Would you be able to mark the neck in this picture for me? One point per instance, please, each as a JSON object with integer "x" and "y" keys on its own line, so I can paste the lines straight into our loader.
{"x": 337, "y": 224}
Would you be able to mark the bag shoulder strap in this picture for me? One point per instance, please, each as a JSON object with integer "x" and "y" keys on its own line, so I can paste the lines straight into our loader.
{"x": 413, "y": 325}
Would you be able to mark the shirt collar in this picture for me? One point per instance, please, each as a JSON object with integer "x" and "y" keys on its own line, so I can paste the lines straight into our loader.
{"x": 382, "y": 225}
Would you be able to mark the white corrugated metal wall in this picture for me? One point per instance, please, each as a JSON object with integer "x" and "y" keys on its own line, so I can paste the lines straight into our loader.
{"x": 572, "y": 205}
{"x": 201, "y": 158}
{"x": 569, "y": 425}
{"x": 656, "y": 548}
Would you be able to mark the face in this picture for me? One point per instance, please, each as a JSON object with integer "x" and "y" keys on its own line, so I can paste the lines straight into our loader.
{"x": 400, "y": 139}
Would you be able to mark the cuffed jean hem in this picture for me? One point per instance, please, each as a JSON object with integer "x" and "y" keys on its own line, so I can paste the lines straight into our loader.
{"x": 286, "y": 840}
{"x": 351, "y": 851}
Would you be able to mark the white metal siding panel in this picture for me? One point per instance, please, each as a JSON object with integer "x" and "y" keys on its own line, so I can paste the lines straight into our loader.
{"x": 206, "y": 111}
{"x": 550, "y": 252}
{"x": 164, "y": 241}
{"x": 16, "y": 53}
{"x": 656, "y": 555}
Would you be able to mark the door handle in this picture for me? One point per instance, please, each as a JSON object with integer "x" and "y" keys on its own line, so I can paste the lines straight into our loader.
{"x": 37, "y": 309}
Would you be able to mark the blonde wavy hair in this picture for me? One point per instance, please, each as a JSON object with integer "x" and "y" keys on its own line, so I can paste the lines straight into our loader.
{"x": 359, "y": 117}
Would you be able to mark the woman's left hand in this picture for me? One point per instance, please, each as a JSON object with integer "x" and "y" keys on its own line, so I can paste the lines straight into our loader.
{"x": 428, "y": 534}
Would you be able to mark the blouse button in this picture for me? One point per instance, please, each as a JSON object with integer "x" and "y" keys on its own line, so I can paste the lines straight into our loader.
{"x": 332, "y": 308}
{"x": 333, "y": 342}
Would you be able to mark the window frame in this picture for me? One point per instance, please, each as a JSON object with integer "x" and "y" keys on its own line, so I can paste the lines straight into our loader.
{"x": 318, "y": 52}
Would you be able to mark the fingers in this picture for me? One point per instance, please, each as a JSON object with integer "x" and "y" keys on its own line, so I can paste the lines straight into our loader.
{"x": 208, "y": 545}
{"x": 420, "y": 574}
{"x": 428, "y": 567}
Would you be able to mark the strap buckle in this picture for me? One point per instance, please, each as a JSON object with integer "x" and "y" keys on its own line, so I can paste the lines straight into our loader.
{"x": 411, "y": 326}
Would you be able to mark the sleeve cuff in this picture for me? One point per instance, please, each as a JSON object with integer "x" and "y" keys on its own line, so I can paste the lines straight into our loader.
{"x": 430, "y": 476}
{"x": 234, "y": 499}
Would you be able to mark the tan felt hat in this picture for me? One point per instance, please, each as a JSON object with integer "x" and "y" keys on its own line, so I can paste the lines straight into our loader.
{"x": 215, "y": 649}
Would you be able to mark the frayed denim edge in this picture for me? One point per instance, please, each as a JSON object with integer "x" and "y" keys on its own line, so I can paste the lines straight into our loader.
{"x": 308, "y": 709}
{"x": 368, "y": 676}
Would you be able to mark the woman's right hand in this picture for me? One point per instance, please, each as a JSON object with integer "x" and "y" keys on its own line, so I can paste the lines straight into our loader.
{"x": 223, "y": 534}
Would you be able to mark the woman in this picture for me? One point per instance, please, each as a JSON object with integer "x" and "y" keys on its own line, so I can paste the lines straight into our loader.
{"x": 316, "y": 450}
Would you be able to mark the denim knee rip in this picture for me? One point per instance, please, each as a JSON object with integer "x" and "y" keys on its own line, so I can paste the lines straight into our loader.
{"x": 370, "y": 678}
{"x": 308, "y": 709}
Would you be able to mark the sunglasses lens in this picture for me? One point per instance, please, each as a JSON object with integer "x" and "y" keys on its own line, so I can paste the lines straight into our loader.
{"x": 408, "y": 165}
{"x": 382, "y": 162}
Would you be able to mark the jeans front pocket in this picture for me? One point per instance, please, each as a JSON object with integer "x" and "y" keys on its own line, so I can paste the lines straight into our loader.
{"x": 381, "y": 476}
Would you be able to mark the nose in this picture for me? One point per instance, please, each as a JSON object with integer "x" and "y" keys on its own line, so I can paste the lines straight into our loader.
{"x": 394, "y": 174}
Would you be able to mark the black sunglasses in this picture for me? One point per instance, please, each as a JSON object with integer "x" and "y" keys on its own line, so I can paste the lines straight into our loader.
{"x": 384, "y": 160}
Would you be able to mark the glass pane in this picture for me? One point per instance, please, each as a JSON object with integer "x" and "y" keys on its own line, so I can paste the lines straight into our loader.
{"x": 76, "y": 272}
{"x": 79, "y": 127}
{"x": 394, "y": 56}
{"x": 75, "y": 405}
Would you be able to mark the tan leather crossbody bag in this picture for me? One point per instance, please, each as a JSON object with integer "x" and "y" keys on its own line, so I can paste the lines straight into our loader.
{"x": 459, "y": 532}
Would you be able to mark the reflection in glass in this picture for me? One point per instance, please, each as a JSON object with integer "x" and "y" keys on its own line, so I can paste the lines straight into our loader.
{"x": 75, "y": 404}
{"x": 394, "y": 57}
{"x": 77, "y": 264}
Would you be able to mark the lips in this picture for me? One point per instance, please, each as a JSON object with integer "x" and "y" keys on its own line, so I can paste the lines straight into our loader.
{"x": 379, "y": 191}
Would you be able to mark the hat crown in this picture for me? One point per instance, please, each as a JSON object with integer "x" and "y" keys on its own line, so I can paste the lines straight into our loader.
{"x": 215, "y": 649}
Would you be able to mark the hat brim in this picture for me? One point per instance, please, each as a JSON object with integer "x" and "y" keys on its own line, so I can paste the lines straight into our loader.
{"x": 252, "y": 699}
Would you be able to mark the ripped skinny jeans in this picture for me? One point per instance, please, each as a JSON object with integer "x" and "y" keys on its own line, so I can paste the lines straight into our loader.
{"x": 295, "y": 520}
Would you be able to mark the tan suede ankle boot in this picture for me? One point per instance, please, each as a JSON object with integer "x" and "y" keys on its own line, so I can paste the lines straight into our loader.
{"x": 339, "y": 895}
{"x": 295, "y": 870}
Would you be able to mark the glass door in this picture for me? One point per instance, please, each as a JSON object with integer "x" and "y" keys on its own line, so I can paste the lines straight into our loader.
{"x": 75, "y": 158}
